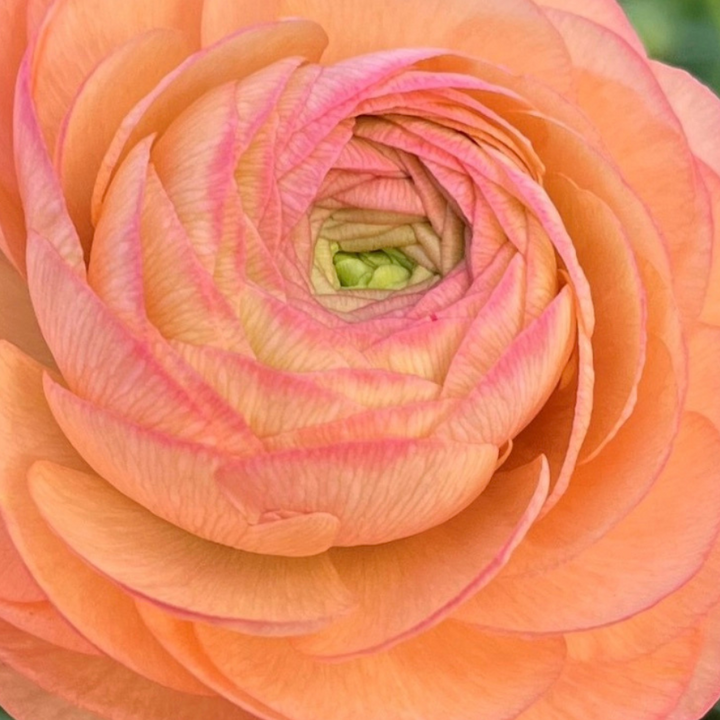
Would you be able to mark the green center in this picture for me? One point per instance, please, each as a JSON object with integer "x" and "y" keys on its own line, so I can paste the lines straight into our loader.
{"x": 385, "y": 269}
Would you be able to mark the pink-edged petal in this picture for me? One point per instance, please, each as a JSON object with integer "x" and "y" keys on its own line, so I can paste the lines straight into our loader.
{"x": 652, "y": 552}
{"x": 236, "y": 57}
{"x": 451, "y": 671}
{"x": 379, "y": 490}
{"x": 603, "y": 490}
{"x": 190, "y": 577}
{"x": 495, "y": 326}
{"x": 105, "y": 97}
{"x": 175, "y": 480}
{"x": 42, "y": 198}
{"x": 406, "y": 587}
{"x": 224, "y": 17}
{"x": 271, "y": 401}
{"x": 517, "y": 386}
{"x": 74, "y": 38}
{"x": 115, "y": 272}
{"x": 102, "y": 360}
{"x": 607, "y": 13}
{"x": 619, "y": 336}
{"x": 516, "y": 35}
{"x": 607, "y": 67}
{"x": 426, "y": 349}
{"x": 183, "y": 304}
{"x": 91, "y": 685}
{"x": 98, "y": 609}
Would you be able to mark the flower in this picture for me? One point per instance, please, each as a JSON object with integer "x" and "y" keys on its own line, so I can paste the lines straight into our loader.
{"x": 358, "y": 363}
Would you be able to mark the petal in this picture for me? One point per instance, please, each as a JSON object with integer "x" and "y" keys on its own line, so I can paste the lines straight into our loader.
{"x": 406, "y": 587}
{"x": 379, "y": 490}
{"x": 511, "y": 394}
{"x": 190, "y": 577}
{"x": 105, "y": 97}
{"x": 630, "y": 568}
{"x": 516, "y": 35}
{"x": 94, "y": 685}
{"x": 450, "y": 671}
{"x": 97, "y": 608}
{"x": 224, "y": 17}
{"x": 704, "y": 386}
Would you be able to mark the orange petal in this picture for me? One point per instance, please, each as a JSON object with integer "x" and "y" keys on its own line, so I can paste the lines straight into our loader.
{"x": 517, "y": 35}
{"x": 97, "y": 608}
{"x": 101, "y": 102}
{"x": 630, "y": 568}
{"x": 379, "y": 490}
{"x": 704, "y": 387}
{"x": 224, "y": 17}
{"x": 606, "y": 67}
{"x": 451, "y": 671}
{"x": 188, "y": 576}
{"x": 619, "y": 336}
{"x": 92, "y": 685}
{"x": 406, "y": 587}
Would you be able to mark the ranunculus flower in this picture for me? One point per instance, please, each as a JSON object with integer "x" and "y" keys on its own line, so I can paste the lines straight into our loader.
{"x": 359, "y": 363}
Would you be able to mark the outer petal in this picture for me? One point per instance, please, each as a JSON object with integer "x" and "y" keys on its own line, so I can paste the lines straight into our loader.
{"x": 630, "y": 568}
{"x": 186, "y": 575}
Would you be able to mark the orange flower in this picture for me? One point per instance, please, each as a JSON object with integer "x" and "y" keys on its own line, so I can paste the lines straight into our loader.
{"x": 357, "y": 363}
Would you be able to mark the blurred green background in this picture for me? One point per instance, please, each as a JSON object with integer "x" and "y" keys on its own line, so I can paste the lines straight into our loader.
{"x": 685, "y": 33}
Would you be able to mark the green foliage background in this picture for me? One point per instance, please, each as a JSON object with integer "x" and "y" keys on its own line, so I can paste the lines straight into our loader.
{"x": 685, "y": 33}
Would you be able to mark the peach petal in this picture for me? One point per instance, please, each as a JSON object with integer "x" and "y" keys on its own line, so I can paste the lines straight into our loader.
{"x": 643, "y": 688}
{"x": 451, "y": 671}
{"x": 406, "y": 587}
{"x": 602, "y": 491}
{"x": 711, "y": 309}
{"x": 184, "y": 305}
{"x": 17, "y": 584}
{"x": 676, "y": 201}
{"x": 697, "y": 108}
{"x": 606, "y": 13}
{"x": 271, "y": 401}
{"x": 619, "y": 336}
{"x": 224, "y": 17}
{"x": 495, "y": 326}
{"x": 380, "y": 490}
{"x": 190, "y": 577}
{"x": 701, "y": 693}
{"x": 415, "y": 420}
{"x": 61, "y": 63}
{"x": 517, "y": 35}
{"x": 42, "y": 198}
{"x": 651, "y": 565}
{"x": 105, "y": 97}
{"x": 704, "y": 386}
{"x": 98, "y": 609}
{"x": 234, "y": 58}
{"x": 115, "y": 272}
{"x": 93, "y": 685}
{"x": 12, "y": 46}
{"x": 106, "y": 369}
{"x": 288, "y": 339}
{"x": 180, "y": 640}
{"x": 425, "y": 349}
{"x": 27, "y": 701}
{"x": 42, "y": 620}
{"x": 518, "y": 385}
